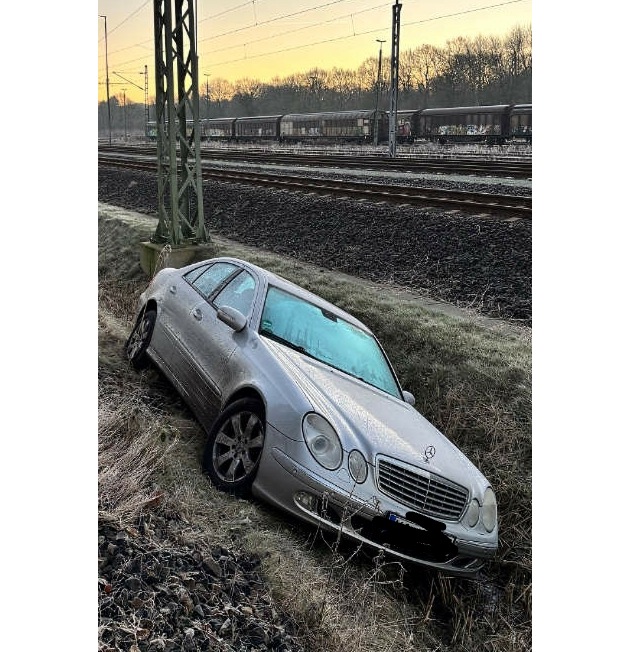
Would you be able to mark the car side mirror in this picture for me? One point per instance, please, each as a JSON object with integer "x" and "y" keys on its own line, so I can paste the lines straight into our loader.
{"x": 409, "y": 397}
{"x": 234, "y": 318}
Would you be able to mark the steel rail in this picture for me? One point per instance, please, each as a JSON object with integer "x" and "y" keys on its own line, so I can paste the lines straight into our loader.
{"x": 485, "y": 167}
{"x": 477, "y": 202}
{"x": 497, "y": 167}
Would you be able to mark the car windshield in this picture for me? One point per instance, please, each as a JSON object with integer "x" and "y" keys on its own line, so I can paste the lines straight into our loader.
{"x": 322, "y": 335}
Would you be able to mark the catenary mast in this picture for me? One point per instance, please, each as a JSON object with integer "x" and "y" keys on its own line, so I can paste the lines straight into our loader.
{"x": 180, "y": 195}
{"x": 393, "y": 107}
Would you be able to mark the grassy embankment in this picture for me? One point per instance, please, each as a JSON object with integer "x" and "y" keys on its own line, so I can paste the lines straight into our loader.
{"x": 471, "y": 381}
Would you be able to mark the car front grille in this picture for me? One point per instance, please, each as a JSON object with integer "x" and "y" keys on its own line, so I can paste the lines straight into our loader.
{"x": 424, "y": 492}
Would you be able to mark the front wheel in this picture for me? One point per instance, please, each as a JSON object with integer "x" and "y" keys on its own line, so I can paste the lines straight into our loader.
{"x": 138, "y": 342}
{"x": 235, "y": 445}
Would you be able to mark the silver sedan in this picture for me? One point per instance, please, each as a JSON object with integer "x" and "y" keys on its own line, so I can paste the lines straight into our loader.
{"x": 303, "y": 409}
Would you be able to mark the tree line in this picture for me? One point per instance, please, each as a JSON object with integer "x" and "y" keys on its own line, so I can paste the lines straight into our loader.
{"x": 483, "y": 70}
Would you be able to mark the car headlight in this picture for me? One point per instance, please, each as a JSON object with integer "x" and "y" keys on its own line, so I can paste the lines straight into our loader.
{"x": 489, "y": 510}
{"x": 473, "y": 512}
{"x": 357, "y": 466}
{"x": 322, "y": 441}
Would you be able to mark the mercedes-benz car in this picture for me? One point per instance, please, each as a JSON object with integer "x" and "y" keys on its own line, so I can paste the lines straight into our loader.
{"x": 303, "y": 409}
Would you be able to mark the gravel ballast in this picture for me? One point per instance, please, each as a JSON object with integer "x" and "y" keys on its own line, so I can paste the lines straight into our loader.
{"x": 154, "y": 597}
{"x": 475, "y": 262}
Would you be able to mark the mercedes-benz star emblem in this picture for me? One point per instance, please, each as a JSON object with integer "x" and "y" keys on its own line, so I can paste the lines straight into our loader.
{"x": 429, "y": 452}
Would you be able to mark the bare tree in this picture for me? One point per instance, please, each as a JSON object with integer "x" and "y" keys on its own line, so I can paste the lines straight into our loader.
{"x": 518, "y": 55}
{"x": 483, "y": 70}
{"x": 344, "y": 83}
{"x": 428, "y": 66}
{"x": 246, "y": 92}
{"x": 367, "y": 73}
{"x": 452, "y": 86}
{"x": 479, "y": 66}
{"x": 406, "y": 77}
{"x": 221, "y": 92}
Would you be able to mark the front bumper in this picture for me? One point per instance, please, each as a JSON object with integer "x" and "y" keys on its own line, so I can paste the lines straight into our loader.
{"x": 291, "y": 486}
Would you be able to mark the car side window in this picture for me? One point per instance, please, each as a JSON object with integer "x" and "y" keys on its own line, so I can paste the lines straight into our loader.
{"x": 210, "y": 278}
{"x": 238, "y": 293}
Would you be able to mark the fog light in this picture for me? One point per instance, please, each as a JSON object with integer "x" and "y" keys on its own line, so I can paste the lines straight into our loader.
{"x": 489, "y": 510}
{"x": 306, "y": 500}
{"x": 357, "y": 466}
{"x": 473, "y": 512}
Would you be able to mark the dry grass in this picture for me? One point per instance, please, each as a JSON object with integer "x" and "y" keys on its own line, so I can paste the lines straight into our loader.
{"x": 472, "y": 381}
{"x": 128, "y": 458}
{"x": 341, "y": 601}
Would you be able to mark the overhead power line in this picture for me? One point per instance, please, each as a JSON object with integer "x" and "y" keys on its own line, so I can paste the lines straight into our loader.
{"x": 354, "y": 34}
{"x": 227, "y": 11}
{"x": 462, "y": 13}
{"x": 130, "y": 16}
{"x": 274, "y": 20}
{"x": 302, "y": 46}
{"x": 298, "y": 29}
{"x": 129, "y": 80}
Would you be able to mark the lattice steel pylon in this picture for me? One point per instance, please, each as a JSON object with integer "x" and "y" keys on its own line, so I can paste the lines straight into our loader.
{"x": 180, "y": 192}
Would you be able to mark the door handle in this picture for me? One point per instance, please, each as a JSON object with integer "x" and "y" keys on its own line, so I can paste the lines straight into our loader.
{"x": 197, "y": 314}
{"x": 173, "y": 289}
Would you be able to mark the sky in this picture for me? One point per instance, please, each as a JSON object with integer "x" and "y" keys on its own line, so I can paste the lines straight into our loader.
{"x": 262, "y": 39}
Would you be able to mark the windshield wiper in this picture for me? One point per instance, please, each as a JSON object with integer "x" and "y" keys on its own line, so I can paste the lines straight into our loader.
{"x": 281, "y": 340}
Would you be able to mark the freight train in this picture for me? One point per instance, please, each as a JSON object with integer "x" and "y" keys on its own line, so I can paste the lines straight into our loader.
{"x": 494, "y": 125}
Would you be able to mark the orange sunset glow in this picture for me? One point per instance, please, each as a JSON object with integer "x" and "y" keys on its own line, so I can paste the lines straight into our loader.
{"x": 264, "y": 39}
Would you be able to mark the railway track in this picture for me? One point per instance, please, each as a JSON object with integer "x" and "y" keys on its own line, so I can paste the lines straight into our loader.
{"x": 500, "y": 166}
{"x": 480, "y": 167}
{"x": 476, "y": 202}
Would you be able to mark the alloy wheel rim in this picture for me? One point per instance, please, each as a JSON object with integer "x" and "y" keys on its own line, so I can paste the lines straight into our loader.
{"x": 137, "y": 339}
{"x": 237, "y": 447}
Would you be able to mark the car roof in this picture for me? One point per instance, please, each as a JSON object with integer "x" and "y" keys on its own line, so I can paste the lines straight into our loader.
{"x": 271, "y": 278}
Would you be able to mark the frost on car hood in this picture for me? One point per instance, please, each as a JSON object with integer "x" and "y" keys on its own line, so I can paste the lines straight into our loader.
{"x": 372, "y": 420}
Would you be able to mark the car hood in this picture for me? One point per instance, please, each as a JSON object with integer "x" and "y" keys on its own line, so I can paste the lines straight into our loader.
{"x": 372, "y": 420}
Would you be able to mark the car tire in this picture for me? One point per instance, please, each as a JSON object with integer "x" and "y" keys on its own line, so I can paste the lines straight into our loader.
{"x": 138, "y": 342}
{"x": 234, "y": 447}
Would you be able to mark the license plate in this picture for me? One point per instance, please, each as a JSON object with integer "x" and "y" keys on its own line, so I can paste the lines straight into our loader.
{"x": 397, "y": 518}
